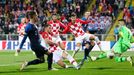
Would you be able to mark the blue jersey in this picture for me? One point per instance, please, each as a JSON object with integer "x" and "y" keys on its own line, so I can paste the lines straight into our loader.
{"x": 33, "y": 34}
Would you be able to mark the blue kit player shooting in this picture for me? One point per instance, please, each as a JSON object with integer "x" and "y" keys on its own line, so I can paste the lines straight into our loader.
{"x": 32, "y": 33}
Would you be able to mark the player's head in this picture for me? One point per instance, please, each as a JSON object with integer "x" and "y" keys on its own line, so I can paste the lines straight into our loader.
{"x": 33, "y": 15}
{"x": 121, "y": 22}
{"x": 92, "y": 38}
{"x": 27, "y": 17}
{"x": 54, "y": 17}
{"x": 47, "y": 28}
{"x": 73, "y": 16}
{"x": 87, "y": 14}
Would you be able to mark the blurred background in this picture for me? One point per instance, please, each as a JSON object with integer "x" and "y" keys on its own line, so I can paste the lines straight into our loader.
{"x": 103, "y": 15}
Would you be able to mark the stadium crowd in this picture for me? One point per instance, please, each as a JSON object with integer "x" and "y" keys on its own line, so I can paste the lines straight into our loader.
{"x": 11, "y": 11}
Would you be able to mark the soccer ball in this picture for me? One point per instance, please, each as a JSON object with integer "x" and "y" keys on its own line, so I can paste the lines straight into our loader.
{"x": 110, "y": 55}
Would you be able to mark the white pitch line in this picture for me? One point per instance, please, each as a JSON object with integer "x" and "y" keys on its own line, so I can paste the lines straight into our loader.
{"x": 10, "y": 64}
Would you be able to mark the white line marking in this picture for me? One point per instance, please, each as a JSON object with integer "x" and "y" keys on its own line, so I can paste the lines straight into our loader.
{"x": 10, "y": 64}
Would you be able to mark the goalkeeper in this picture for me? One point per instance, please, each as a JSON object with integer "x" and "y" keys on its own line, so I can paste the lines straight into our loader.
{"x": 121, "y": 46}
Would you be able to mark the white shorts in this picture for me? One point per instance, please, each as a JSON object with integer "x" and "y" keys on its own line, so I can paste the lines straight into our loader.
{"x": 57, "y": 55}
{"x": 56, "y": 39}
{"x": 85, "y": 37}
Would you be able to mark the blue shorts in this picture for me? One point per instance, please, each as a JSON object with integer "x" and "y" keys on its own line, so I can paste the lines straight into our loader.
{"x": 39, "y": 50}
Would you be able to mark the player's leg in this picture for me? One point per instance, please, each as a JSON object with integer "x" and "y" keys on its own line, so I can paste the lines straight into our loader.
{"x": 40, "y": 58}
{"x": 123, "y": 59}
{"x": 50, "y": 60}
{"x": 62, "y": 46}
{"x": 78, "y": 41}
{"x": 33, "y": 62}
{"x": 89, "y": 47}
{"x": 57, "y": 58}
{"x": 98, "y": 43}
{"x": 101, "y": 56}
{"x": 78, "y": 46}
{"x": 119, "y": 49}
{"x": 120, "y": 58}
{"x": 95, "y": 38}
{"x": 62, "y": 64}
{"x": 70, "y": 58}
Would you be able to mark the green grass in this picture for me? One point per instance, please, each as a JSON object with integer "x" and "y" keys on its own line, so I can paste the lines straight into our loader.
{"x": 9, "y": 65}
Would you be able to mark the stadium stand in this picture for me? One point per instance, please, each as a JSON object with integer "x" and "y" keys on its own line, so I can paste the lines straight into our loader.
{"x": 11, "y": 11}
{"x": 103, "y": 13}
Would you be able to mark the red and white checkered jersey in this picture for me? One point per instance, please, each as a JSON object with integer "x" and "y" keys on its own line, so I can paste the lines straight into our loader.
{"x": 46, "y": 35}
{"x": 76, "y": 28}
{"x": 21, "y": 29}
{"x": 55, "y": 26}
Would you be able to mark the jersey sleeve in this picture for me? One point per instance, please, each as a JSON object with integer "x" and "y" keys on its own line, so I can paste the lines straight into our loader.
{"x": 23, "y": 41}
{"x": 62, "y": 25}
{"x": 28, "y": 28}
{"x": 67, "y": 28}
{"x": 83, "y": 22}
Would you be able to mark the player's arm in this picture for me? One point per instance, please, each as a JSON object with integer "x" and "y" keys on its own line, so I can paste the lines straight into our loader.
{"x": 83, "y": 22}
{"x": 62, "y": 25}
{"x": 27, "y": 29}
{"x": 47, "y": 40}
{"x": 50, "y": 42}
{"x": 21, "y": 45}
{"x": 23, "y": 41}
{"x": 67, "y": 29}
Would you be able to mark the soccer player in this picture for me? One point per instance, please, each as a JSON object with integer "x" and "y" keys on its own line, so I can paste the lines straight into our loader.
{"x": 21, "y": 31}
{"x": 121, "y": 46}
{"x": 55, "y": 26}
{"x": 31, "y": 31}
{"x": 58, "y": 54}
{"x": 76, "y": 29}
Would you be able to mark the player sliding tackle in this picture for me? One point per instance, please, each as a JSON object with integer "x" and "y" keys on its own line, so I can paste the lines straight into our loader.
{"x": 121, "y": 46}
{"x": 76, "y": 29}
{"x": 58, "y": 54}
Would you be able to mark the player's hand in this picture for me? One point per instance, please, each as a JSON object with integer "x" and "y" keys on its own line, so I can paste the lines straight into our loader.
{"x": 60, "y": 31}
{"x": 49, "y": 52}
{"x": 17, "y": 52}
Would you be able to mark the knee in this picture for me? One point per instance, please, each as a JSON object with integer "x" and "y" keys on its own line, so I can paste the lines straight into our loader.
{"x": 42, "y": 60}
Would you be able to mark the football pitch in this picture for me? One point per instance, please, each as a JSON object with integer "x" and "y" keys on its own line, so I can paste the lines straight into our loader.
{"x": 10, "y": 64}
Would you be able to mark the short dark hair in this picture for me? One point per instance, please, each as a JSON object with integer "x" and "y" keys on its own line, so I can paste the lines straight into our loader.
{"x": 45, "y": 25}
{"x": 54, "y": 14}
{"x": 31, "y": 14}
{"x": 73, "y": 14}
{"x": 27, "y": 15}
